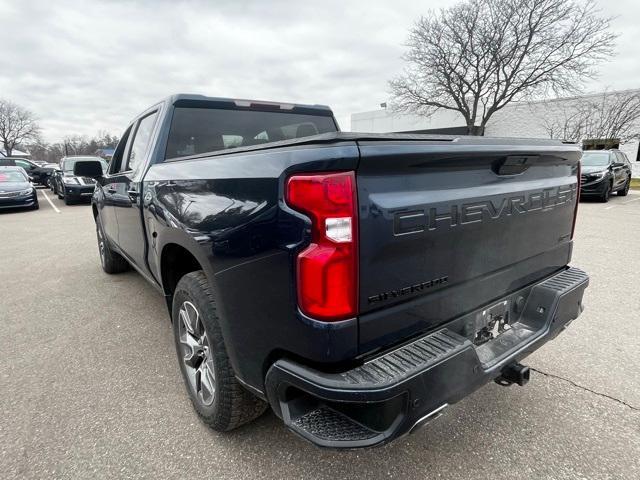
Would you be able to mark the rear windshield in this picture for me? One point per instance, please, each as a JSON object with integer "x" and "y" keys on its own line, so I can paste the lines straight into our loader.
{"x": 201, "y": 130}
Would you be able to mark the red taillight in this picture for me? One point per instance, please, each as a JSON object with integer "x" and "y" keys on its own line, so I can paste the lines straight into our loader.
{"x": 575, "y": 212}
{"x": 327, "y": 270}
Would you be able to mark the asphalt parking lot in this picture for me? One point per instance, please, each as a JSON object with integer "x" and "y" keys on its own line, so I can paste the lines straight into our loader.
{"x": 90, "y": 386}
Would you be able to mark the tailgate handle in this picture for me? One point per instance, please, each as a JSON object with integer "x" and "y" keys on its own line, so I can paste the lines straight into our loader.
{"x": 514, "y": 164}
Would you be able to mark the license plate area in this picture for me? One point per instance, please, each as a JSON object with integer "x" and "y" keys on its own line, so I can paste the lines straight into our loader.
{"x": 491, "y": 322}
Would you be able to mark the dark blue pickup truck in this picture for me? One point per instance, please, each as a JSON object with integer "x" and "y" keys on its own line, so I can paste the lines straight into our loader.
{"x": 357, "y": 284}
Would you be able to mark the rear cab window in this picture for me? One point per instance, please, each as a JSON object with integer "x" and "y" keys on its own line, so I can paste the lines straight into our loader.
{"x": 196, "y": 130}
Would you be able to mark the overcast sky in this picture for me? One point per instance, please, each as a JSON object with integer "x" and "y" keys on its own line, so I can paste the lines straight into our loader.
{"x": 87, "y": 66}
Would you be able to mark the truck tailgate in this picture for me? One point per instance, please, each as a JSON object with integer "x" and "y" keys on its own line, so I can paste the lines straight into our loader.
{"x": 447, "y": 226}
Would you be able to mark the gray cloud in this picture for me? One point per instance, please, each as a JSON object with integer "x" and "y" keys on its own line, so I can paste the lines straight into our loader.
{"x": 88, "y": 66}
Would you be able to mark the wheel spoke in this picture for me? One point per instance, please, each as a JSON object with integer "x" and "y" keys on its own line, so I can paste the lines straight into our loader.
{"x": 189, "y": 316}
{"x": 191, "y": 374}
{"x": 207, "y": 381}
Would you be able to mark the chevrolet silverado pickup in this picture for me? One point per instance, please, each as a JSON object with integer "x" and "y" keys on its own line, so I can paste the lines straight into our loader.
{"x": 356, "y": 284}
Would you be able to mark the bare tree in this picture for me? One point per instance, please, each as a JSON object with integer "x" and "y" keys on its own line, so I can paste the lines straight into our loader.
{"x": 72, "y": 145}
{"x": 567, "y": 121}
{"x": 17, "y": 125}
{"x": 611, "y": 117}
{"x": 480, "y": 55}
{"x": 76, "y": 144}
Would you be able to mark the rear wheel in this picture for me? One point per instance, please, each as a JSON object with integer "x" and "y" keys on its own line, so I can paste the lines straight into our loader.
{"x": 112, "y": 262}
{"x": 217, "y": 396}
{"x": 68, "y": 200}
{"x": 59, "y": 192}
{"x": 625, "y": 189}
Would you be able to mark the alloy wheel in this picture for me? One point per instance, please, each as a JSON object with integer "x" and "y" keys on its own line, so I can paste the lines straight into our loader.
{"x": 196, "y": 353}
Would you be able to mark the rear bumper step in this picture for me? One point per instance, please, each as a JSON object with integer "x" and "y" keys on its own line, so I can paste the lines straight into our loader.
{"x": 391, "y": 394}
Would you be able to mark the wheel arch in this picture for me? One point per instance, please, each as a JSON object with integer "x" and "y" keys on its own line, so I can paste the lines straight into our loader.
{"x": 177, "y": 258}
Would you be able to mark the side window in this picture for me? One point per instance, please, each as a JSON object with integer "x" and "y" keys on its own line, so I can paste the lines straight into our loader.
{"x": 26, "y": 165}
{"x": 141, "y": 141}
{"x": 620, "y": 158}
{"x": 118, "y": 154}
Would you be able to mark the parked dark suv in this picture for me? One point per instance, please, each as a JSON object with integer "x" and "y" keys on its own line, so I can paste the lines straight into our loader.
{"x": 69, "y": 186}
{"x": 603, "y": 173}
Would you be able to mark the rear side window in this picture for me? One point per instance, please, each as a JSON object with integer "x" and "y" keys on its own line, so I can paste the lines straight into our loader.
{"x": 23, "y": 164}
{"x": 141, "y": 141}
{"x": 201, "y": 130}
{"x": 622, "y": 158}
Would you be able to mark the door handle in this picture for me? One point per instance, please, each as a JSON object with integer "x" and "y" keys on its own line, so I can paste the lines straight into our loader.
{"x": 133, "y": 195}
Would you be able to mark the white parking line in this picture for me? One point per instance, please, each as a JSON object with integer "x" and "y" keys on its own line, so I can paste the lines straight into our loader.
{"x": 622, "y": 203}
{"x": 50, "y": 202}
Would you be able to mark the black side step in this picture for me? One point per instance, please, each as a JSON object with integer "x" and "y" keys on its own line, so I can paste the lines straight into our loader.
{"x": 327, "y": 424}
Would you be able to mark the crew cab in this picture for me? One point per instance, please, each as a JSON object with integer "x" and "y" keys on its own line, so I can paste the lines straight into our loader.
{"x": 357, "y": 284}
{"x": 70, "y": 187}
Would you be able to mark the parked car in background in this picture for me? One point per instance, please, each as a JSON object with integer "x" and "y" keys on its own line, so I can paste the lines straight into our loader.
{"x": 16, "y": 191}
{"x": 71, "y": 187}
{"x": 356, "y": 283}
{"x": 38, "y": 173}
{"x": 603, "y": 173}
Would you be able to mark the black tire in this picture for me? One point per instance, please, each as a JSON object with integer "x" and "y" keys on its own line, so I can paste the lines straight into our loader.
{"x": 112, "y": 262}
{"x": 68, "y": 200}
{"x": 60, "y": 195}
{"x": 36, "y": 206}
{"x": 625, "y": 189}
{"x": 604, "y": 198}
{"x": 230, "y": 405}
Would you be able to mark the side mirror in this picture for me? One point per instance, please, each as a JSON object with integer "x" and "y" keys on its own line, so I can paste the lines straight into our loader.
{"x": 89, "y": 168}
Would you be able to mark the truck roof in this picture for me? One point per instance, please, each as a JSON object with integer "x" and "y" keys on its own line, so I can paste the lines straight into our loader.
{"x": 193, "y": 100}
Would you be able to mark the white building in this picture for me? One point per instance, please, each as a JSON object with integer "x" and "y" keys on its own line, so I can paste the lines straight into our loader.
{"x": 518, "y": 119}
{"x": 15, "y": 153}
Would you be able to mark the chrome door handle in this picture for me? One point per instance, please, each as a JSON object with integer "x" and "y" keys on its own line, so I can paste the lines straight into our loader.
{"x": 133, "y": 195}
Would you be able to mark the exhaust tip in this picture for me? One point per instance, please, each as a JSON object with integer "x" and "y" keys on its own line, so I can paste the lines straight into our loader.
{"x": 428, "y": 418}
